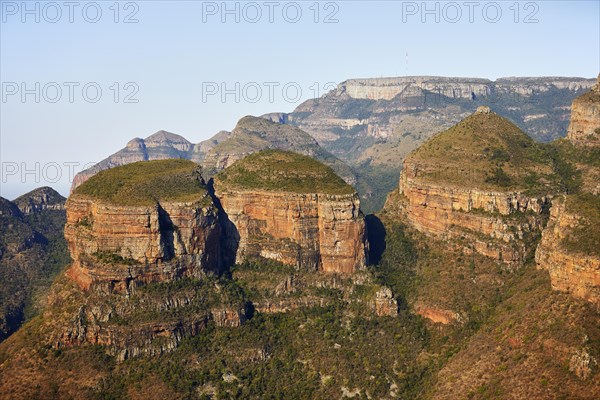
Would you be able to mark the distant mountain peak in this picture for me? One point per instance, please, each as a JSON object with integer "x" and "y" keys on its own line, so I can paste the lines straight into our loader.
{"x": 164, "y": 136}
{"x": 40, "y": 199}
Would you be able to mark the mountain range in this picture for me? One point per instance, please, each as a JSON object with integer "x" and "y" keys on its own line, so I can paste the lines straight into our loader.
{"x": 372, "y": 124}
{"x": 254, "y": 272}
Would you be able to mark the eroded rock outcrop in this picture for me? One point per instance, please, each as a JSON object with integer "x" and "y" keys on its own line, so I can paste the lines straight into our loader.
{"x": 316, "y": 227}
{"x": 584, "y": 128}
{"x": 573, "y": 268}
{"x": 141, "y": 223}
{"x": 145, "y": 241}
{"x": 41, "y": 199}
{"x": 312, "y": 232}
{"x": 450, "y": 188}
{"x": 438, "y": 315}
{"x": 151, "y": 320}
{"x": 114, "y": 246}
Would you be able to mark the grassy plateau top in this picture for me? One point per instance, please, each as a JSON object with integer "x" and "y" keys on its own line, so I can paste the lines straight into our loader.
{"x": 285, "y": 171}
{"x": 146, "y": 183}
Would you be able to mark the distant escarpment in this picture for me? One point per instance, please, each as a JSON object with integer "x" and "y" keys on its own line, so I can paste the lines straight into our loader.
{"x": 293, "y": 209}
{"x": 250, "y": 135}
{"x": 364, "y": 128}
{"x": 388, "y": 88}
{"x": 483, "y": 183}
{"x": 584, "y": 128}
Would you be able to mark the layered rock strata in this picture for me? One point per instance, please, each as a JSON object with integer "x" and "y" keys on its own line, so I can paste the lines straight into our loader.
{"x": 116, "y": 246}
{"x": 309, "y": 231}
{"x": 388, "y": 88}
{"x": 494, "y": 222}
{"x": 573, "y": 272}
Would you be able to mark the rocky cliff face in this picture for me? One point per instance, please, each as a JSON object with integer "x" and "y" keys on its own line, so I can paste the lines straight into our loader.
{"x": 44, "y": 198}
{"x": 569, "y": 246}
{"x": 572, "y": 270}
{"x": 309, "y": 231}
{"x": 584, "y": 128}
{"x": 149, "y": 242}
{"x": 483, "y": 216}
{"x": 146, "y": 321}
{"x": 114, "y": 247}
{"x": 313, "y": 228}
{"x": 454, "y": 88}
{"x": 145, "y": 241}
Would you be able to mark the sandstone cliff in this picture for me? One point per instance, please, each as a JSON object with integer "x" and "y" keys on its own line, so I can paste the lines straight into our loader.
{"x": 118, "y": 241}
{"x": 388, "y": 88}
{"x": 145, "y": 241}
{"x": 316, "y": 227}
{"x": 570, "y": 242}
{"x": 569, "y": 247}
{"x": 310, "y": 231}
{"x": 584, "y": 128}
{"x": 118, "y": 246}
{"x": 150, "y": 242}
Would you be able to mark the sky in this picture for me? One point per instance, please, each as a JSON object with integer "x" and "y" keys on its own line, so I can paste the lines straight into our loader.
{"x": 80, "y": 79}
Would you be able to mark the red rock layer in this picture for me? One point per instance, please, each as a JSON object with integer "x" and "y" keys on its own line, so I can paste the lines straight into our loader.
{"x": 577, "y": 274}
{"x": 310, "y": 231}
{"x": 114, "y": 245}
{"x": 482, "y": 216}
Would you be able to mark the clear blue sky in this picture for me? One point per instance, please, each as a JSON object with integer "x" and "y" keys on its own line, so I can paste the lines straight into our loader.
{"x": 175, "y": 50}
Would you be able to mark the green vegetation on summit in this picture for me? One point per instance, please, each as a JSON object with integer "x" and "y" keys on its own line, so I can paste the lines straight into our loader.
{"x": 487, "y": 151}
{"x": 146, "y": 182}
{"x": 253, "y": 134}
{"x": 277, "y": 170}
